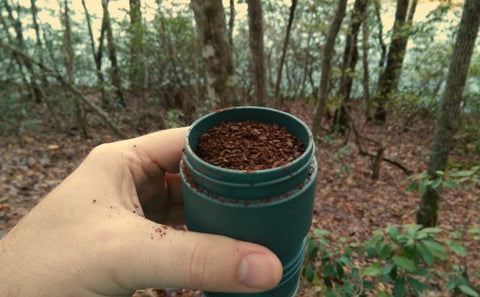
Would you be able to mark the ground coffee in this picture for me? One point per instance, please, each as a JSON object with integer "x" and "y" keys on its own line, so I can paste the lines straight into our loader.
{"x": 248, "y": 145}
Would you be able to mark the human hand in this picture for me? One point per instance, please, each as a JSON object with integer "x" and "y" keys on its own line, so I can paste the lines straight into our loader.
{"x": 101, "y": 232}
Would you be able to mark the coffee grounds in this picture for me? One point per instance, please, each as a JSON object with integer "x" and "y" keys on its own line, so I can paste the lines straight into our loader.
{"x": 248, "y": 145}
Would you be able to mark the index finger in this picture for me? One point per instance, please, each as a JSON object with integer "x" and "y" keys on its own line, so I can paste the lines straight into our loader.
{"x": 162, "y": 149}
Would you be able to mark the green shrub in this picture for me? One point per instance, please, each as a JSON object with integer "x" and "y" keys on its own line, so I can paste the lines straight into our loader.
{"x": 396, "y": 261}
{"x": 455, "y": 177}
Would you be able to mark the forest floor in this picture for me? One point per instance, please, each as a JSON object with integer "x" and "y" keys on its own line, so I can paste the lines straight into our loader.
{"x": 349, "y": 203}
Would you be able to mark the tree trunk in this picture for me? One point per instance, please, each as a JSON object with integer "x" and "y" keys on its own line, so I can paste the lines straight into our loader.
{"x": 231, "y": 23}
{"x": 39, "y": 53}
{"x": 97, "y": 55}
{"x": 350, "y": 57}
{"x": 38, "y": 44}
{"x": 216, "y": 52}
{"x": 68, "y": 49}
{"x": 112, "y": 55}
{"x": 388, "y": 81}
{"x": 449, "y": 118}
{"x": 36, "y": 91}
{"x": 383, "y": 47}
{"x": 328, "y": 52}
{"x": 255, "y": 21}
{"x": 137, "y": 69}
{"x": 279, "y": 101}
{"x": 366, "y": 72}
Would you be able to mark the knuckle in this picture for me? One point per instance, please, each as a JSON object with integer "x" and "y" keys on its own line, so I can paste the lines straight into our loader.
{"x": 101, "y": 151}
{"x": 199, "y": 266}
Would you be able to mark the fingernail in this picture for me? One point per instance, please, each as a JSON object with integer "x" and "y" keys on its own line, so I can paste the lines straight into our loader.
{"x": 260, "y": 271}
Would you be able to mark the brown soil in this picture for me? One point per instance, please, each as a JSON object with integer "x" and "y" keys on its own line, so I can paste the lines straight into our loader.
{"x": 248, "y": 145}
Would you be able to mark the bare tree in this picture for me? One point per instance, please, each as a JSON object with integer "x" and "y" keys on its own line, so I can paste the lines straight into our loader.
{"x": 112, "y": 55}
{"x": 231, "y": 22}
{"x": 136, "y": 69}
{"x": 350, "y": 57}
{"x": 279, "y": 101}
{"x": 255, "y": 21}
{"x": 365, "y": 61}
{"x": 68, "y": 50}
{"x": 449, "y": 118}
{"x": 383, "y": 46}
{"x": 38, "y": 43}
{"x": 30, "y": 77}
{"x": 216, "y": 52}
{"x": 328, "y": 52}
{"x": 389, "y": 78}
{"x": 97, "y": 54}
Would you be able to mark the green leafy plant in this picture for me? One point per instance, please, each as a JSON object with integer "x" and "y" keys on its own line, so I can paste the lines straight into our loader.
{"x": 396, "y": 261}
{"x": 454, "y": 178}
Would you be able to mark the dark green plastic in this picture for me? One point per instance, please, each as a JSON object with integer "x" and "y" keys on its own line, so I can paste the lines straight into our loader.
{"x": 271, "y": 207}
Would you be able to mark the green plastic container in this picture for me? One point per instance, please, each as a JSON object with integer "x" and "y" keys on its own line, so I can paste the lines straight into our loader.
{"x": 271, "y": 207}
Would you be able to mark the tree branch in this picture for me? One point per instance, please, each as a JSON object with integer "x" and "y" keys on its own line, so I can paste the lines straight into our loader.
{"x": 104, "y": 116}
{"x": 377, "y": 157}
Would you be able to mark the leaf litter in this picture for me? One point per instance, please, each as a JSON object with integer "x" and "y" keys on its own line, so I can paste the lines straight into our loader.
{"x": 348, "y": 202}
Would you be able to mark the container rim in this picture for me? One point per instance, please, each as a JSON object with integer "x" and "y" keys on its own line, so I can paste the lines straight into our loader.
{"x": 308, "y": 146}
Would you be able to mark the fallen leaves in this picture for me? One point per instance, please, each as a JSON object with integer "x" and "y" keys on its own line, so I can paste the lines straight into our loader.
{"x": 348, "y": 202}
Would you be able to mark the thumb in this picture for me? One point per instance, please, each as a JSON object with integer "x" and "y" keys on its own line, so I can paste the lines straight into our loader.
{"x": 161, "y": 256}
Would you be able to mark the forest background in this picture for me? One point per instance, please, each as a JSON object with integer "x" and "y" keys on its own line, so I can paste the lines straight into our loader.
{"x": 391, "y": 90}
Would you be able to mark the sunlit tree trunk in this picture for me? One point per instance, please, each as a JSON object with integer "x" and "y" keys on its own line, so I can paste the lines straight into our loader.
{"x": 328, "y": 51}
{"x": 449, "y": 118}
{"x": 112, "y": 55}
{"x": 279, "y": 100}
{"x": 389, "y": 78}
{"x": 350, "y": 57}
{"x": 136, "y": 69}
{"x": 255, "y": 21}
{"x": 216, "y": 52}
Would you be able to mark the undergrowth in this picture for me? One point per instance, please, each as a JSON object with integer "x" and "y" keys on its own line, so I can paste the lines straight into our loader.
{"x": 397, "y": 261}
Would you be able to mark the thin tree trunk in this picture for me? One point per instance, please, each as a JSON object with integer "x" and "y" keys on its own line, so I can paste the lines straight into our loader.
{"x": 449, "y": 118}
{"x": 97, "y": 55}
{"x": 112, "y": 55}
{"x": 307, "y": 68}
{"x": 383, "y": 47}
{"x": 170, "y": 50}
{"x": 255, "y": 21}
{"x": 388, "y": 81}
{"x": 279, "y": 101}
{"x": 411, "y": 12}
{"x": 231, "y": 23}
{"x": 39, "y": 53}
{"x": 36, "y": 92}
{"x": 350, "y": 57}
{"x": 328, "y": 53}
{"x": 137, "y": 71}
{"x": 216, "y": 52}
{"x": 366, "y": 72}
{"x": 15, "y": 57}
{"x": 68, "y": 49}
{"x": 38, "y": 44}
